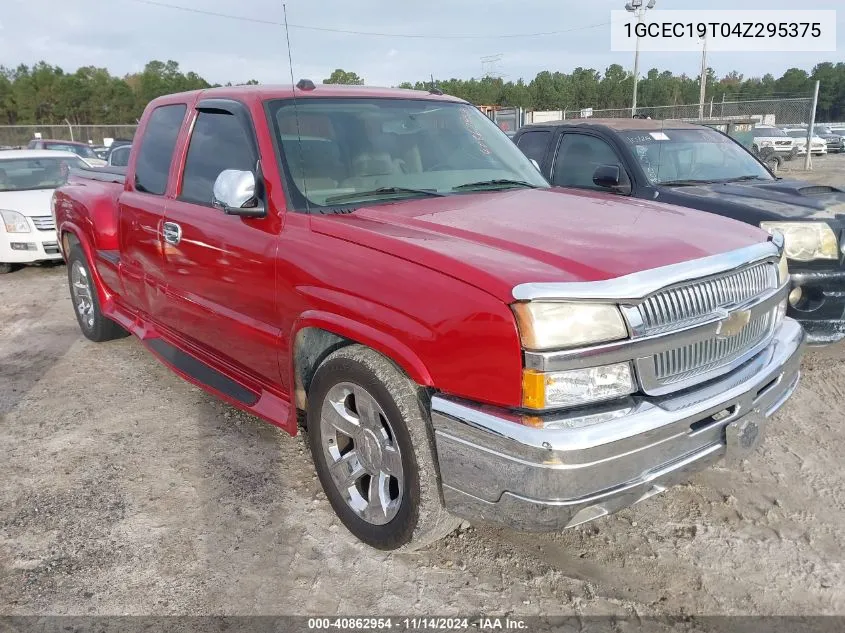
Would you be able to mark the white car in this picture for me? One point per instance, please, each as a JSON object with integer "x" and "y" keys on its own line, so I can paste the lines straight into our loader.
{"x": 772, "y": 137}
{"x": 27, "y": 181}
{"x": 818, "y": 144}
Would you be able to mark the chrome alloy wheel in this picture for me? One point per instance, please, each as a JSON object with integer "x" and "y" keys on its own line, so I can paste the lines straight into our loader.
{"x": 362, "y": 453}
{"x": 81, "y": 287}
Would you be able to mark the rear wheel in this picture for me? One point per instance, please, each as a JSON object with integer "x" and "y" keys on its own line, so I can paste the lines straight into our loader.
{"x": 369, "y": 438}
{"x": 5, "y": 268}
{"x": 93, "y": 324}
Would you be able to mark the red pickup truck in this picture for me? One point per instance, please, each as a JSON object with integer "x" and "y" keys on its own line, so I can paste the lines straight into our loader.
{"x": 386, "y": 269}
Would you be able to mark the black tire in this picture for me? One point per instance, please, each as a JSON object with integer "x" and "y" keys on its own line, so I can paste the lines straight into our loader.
{"x": 6, "y": 268}
{"x": 93, "y": 324}
{"x": 421, "y": 518}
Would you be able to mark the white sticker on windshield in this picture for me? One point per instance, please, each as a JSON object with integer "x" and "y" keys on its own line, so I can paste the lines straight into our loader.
{"x": 659, "y": 136}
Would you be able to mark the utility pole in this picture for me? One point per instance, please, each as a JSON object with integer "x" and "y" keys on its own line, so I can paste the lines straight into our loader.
{"x": 636, "y": 7}
{"x": 807, "y": 162}
{"x": 703, "y": 80}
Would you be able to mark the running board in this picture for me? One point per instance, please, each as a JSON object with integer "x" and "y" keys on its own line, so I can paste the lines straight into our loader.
{"x": 201, "y": 372}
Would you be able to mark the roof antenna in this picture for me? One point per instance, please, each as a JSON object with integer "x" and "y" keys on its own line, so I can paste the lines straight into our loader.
{"x": 434, "y": 89}
{"x": 296, "y": 114}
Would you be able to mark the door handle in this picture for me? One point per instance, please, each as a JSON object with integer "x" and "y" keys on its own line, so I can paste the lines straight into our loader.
{"x": 171, "y": 232}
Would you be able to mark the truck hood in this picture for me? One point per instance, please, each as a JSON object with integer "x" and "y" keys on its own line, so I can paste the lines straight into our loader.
{"x": 32, "y": 202}
{"x": 777, "y": 199}
{"x": 497, "y": 240}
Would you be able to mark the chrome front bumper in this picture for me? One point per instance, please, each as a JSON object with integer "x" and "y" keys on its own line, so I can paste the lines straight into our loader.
{"x": 552, "y": 472}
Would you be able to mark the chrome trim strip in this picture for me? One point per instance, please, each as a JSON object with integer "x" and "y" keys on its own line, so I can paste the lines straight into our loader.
{"x": 631, "y": 349}
{"x": 638, "y": 285}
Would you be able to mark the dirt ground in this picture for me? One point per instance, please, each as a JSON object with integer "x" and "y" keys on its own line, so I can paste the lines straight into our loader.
{"x": 127, "y": 491}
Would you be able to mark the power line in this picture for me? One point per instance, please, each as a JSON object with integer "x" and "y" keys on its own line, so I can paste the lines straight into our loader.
{"x": 303, "y": 27}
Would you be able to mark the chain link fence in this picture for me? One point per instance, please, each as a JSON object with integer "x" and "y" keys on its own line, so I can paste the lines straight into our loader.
{"x": 20, "y": 135}
{"x": 793, "y": 111}
{"x": 790, "y": 111}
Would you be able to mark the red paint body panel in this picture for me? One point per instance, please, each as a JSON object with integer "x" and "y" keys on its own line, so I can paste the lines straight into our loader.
{"x": 498, "y": 240}
{"x": 426, "y": 282}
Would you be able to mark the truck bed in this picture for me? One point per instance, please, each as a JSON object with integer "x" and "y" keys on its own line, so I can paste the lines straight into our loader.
{"x": 108, "y": 173}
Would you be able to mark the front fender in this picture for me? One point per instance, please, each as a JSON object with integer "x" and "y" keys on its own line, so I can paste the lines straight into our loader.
{"x": 384, "y": 343}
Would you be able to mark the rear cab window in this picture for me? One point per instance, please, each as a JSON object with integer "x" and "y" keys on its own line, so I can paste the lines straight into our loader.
{"x": 157, "y": 146}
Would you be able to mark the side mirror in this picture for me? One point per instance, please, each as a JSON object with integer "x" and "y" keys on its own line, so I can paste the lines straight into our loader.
{"x": 234, "y": 194}
{"x": 535, "y": 163}
{"x": 611, "y": 177}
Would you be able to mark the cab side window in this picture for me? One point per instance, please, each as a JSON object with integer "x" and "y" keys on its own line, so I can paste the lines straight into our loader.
{"x": 533, "y": 144}
{"x": 219, "y": 141}
{"x": 577, "y": 157}
{"x": 156, "y": 154}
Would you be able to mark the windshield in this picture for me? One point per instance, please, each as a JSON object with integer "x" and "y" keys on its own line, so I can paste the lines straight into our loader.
{"x": 79, "y": 150}
{"x": 822, "y": 130}
{"x": 797, "y": 133}
{"x": 762, "y": 132}
{"x": 385, "y": 149}
{"x": 697, "y": 155}
{"x": 20, "y": 174}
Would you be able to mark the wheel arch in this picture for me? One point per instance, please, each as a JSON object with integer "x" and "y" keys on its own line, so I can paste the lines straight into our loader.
{"x": 317, "y": 334}
{"x": 71, "y": 235}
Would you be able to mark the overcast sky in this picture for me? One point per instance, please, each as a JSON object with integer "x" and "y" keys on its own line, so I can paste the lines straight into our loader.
{"x": 122, "y": 35}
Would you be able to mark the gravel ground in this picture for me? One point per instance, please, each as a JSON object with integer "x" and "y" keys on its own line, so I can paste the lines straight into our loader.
{"x": 128, "y": 491}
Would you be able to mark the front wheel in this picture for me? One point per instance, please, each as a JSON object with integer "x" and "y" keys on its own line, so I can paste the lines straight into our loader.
{"x": 93, "y": 324}
{"x": 369, "y": 438}
{"x": 5, "y": 269}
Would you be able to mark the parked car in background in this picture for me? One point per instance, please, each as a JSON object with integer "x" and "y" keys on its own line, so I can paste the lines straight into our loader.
{"x": 819, "y": 145}
{"x": 119, "y": 156}
{"x": 115, "y": 145}
{"x": 835, "y": 142}
{"x": 80, "y": 149}
{"x": 27, "y": 181}
{"x": 701, "y": 168}
{"x": 460, "y": 339}
{"x": 100, "y": 151}
{"x": 775, "y": 138}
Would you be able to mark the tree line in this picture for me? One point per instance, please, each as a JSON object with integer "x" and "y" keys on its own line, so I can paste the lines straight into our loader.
{"x": 45, "y": 94}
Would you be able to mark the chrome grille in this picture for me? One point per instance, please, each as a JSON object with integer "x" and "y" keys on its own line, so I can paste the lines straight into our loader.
{"x": 698, "y": 302}
{"x": 43, "y": 222}
{"x": 687, "y": 304}
{"x": 681, "y": 363}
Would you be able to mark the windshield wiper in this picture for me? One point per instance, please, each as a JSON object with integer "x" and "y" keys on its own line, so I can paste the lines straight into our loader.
{"x": 743, "y": 178}
{"x": 374, "y": 193}
{"x": 501, "y": 183}
{"x": 721, "y": 181}
{"x": 686, "y": 183}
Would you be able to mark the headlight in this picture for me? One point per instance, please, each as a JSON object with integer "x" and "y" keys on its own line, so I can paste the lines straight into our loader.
{"x": 806, "y": 241}
{"x": 766, "y": 144}
{"x": 554, "y": 325}
{"x": 576, "y": 387}
{"x": 783, "y": 270}
{"x": 15, "y": 222}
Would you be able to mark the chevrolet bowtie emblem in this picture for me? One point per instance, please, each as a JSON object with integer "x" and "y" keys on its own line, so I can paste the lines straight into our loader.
{"x": 733, "y": 324}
